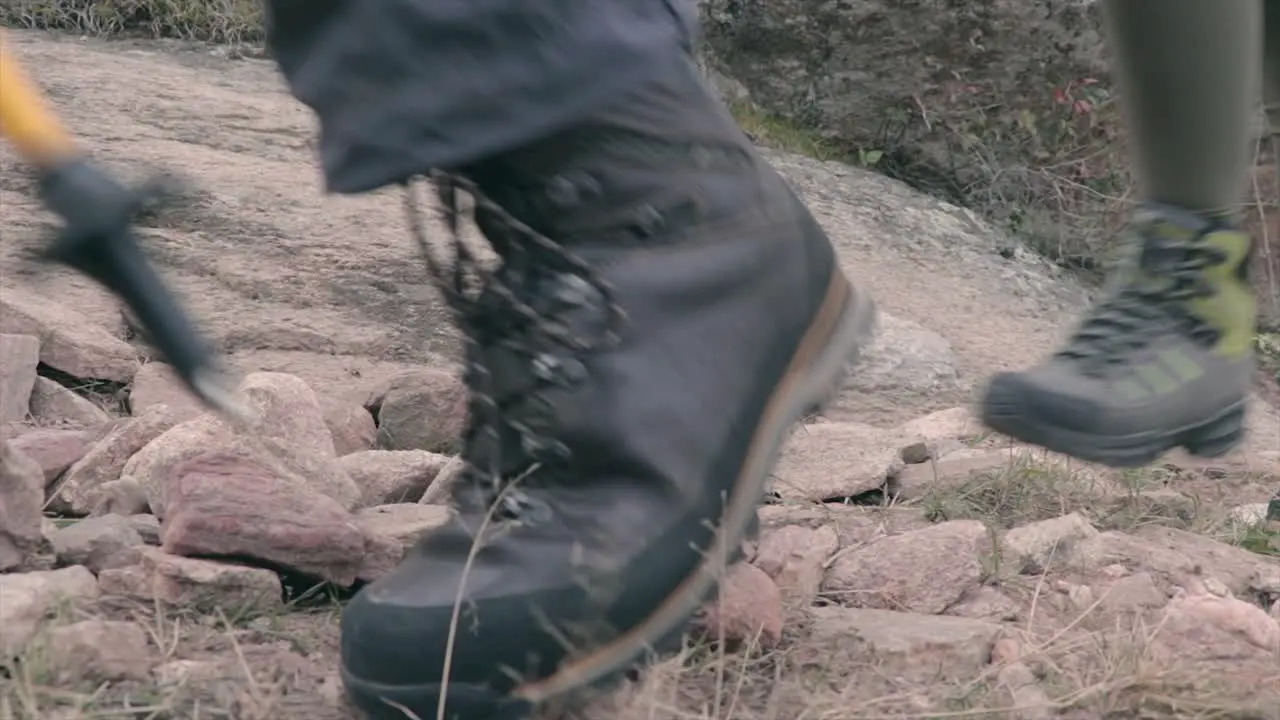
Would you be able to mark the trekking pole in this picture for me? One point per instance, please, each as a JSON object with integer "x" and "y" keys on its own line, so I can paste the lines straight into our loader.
{"x": 97, "y": 237}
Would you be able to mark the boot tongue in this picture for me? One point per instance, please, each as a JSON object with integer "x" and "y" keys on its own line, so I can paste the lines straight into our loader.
{"x": 1159, "y": 261}
{"x": 1163, "y": 236}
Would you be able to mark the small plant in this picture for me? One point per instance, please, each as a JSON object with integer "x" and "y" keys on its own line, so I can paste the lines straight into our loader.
{"x": 1267, "y": 346}
{"x": 1262, "y": 539}
{"x": 869, "y": 158}
{"x": 780, "y": 134}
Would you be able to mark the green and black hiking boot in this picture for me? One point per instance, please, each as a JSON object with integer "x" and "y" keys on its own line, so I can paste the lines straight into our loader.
{"x": 664, "y": 311}
{"x": 1164, "y": 360}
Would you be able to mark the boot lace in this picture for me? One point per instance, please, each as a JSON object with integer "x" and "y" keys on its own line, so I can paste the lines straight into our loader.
{"x": 512, "y": 316}
{"x": 1150, "y": 300}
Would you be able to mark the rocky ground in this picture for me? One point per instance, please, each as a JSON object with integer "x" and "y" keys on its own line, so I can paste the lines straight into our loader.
{"x": 156, "y": 562}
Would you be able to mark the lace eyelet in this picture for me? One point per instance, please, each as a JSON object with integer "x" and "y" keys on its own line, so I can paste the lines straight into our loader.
{"x": 562, "y": 192}
{"x": 556, "y": 451}
{"x": 556, "y": 370}
{"x": 524, "y": 508}
{"x": 572, "y": 371}
{"x": 546, "y": 367}
{"x": 544, "y": 449}
{"x": 518, "y": 337}
{"x": 573, "y": 290}
{"x": 648, "y": 222}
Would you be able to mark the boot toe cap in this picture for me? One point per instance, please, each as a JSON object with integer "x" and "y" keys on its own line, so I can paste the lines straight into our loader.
{"x": 394, "y": 643}
{"x": 1016, "y": 400}
{"x": 393, "y": 659}
{"x": 396, "y": 632}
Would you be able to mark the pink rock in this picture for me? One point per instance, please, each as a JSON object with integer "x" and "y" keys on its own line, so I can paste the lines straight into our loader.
{"x": 69, "y": 341}
{"x": 350, "y": 425}
{"x": 189, "y": 582}
{"x": 156, "y": 383}
{"x": 421, "y": 410}
{"x": 19, "y": 357}
{"x": 78, "y": 490}
{"x": 219, "y": 504}
{"x": 51, "y": 403}
{"x": 21, "y": 505}
{"x": 392, "y": 476}
{"x": 55, "y": 449}
{"x": 795, "y": 557}
{"x": 748, "y": 608}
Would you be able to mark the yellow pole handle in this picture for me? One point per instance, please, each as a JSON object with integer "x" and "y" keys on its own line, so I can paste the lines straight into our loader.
{"x": 26, "y": 120}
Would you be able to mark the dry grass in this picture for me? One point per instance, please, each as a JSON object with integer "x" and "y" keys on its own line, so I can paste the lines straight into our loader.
{"x": 222, "y": 21}
{"x": 1097, "y": 667}
{"x": 1030, "y": 490}
{"x": 1085, "y": 673}
{"x": 1069, "y": 661}
{"x": 226, "y": 664}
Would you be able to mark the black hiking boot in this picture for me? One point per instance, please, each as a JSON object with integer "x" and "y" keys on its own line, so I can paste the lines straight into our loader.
{"x": 1165, "y": 360}
{"x": 665, "y": 310}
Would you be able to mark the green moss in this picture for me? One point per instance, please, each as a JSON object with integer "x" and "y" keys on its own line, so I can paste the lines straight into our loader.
{"x": 1262, "y": 540}
{"x": 781, "y": 134}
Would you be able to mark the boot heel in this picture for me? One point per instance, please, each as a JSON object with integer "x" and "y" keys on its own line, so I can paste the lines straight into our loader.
{"x": 1217, "y": 437}
{"x": 857, "y": 326}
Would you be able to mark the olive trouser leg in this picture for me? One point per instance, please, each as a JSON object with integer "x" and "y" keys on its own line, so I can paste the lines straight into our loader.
{"x": 1188, "y": 73}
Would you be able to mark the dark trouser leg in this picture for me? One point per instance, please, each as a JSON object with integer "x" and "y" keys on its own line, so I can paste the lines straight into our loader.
{"x": 1166, "y": 358}
{"x": 618, "y": 459}
{"x": 1188, "y": 78}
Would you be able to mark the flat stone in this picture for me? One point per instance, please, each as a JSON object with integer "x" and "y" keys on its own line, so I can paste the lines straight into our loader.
{"x": 52, "y": 403}
{"x": 157, "y": 383}
{"x": 78, "y": 490}
{"x": 21, "y": 507}
{"x": 19, "y": 358}
{"x": 223, "y": 505}
{"x": 908, "y": 647}
{"x": 422, "y": 410}
{"x": 795, "y": 557}
{"x": 392, "y": 476}
{"x": 828, "y": 461}
{"x": 203, "y": 585}
{"x": 98, "y": 651}
{"x": 98, "y": 543}
{"x": 69, "y": 341}
{"x": 25, "y": 599}
{"x": 905, "y": 361}
{"x": 55, "y": 450}
{"x": 350, "y": 425}
{"x": 921, "y": 571}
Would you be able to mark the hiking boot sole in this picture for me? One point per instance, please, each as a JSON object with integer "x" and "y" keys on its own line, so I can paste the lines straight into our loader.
{"x": 1004, "y": 412}
{"x": 835, "y": 338}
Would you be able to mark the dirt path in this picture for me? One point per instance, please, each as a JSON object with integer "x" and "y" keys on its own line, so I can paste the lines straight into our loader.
{"x": 330, "y": 287}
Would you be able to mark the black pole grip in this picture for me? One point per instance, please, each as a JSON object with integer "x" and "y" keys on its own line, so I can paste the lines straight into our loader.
{"x": 115, "y": 260}
{"x": 98, "y": 241}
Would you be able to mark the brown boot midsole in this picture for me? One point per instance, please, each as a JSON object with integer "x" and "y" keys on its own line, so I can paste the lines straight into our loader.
{"x": 837, "y": 334}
